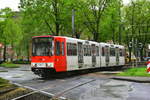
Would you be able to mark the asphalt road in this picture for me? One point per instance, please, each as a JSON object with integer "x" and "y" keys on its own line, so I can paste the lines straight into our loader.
{"x": 93, "y": 86}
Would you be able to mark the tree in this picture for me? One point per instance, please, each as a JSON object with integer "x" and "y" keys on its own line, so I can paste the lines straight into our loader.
{"x": 93, "y": 16}
{"x": 111, "y": 21}
{"x": 11, "y": 32}
{"x": 137, "y": 19}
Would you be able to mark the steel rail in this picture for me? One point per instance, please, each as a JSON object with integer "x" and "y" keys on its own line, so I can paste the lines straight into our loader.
{"x": 37, "y": 90}
{"x": 65, "y": 91}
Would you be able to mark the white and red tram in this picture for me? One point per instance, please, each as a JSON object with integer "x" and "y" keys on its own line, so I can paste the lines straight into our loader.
{"x": 51, "y": 54}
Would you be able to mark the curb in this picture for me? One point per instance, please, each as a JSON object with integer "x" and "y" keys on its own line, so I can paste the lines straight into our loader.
{"x": 130, "y": 79}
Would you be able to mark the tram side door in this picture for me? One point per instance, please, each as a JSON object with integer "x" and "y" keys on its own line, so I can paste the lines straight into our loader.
{"x": 93, "y": 55}
{"x": 80, "y": 54}
{"x": 60, "y": 58}
{"x": 117, "y": 56}
{"x": 107, "y": 55}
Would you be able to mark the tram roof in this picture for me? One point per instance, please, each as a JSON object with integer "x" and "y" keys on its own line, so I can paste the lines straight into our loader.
{"x": 70, "y": 38}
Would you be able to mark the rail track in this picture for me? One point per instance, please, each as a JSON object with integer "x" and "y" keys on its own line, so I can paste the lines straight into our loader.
{"x": 49, "y": 95}
{"x": 59, "y": 95}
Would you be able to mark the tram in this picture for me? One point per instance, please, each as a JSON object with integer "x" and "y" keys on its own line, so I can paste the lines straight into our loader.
{"x": 54, "y": 54}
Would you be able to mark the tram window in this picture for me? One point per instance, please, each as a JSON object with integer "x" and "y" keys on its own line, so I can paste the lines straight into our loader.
{"x": 97, "y": 51}
{"x": 63, "y": 53}
{"x": 84, "y": 47}
{"x": 103, "y": 51}
{"x": 68, "y": 49}
{"x": 85, "y": 50}
{"x": 112, "y": 51}
{"x": 90, "y": 50}
{"x": 121, "y": 52}
{"x": 74, "y": 49}
{"x": 58, "y": 48}
{"x": 93, "y": 50}
{"x": 71, "y": 49}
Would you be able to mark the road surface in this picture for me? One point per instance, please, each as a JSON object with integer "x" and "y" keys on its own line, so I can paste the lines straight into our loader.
{"x": 93, "y": 86}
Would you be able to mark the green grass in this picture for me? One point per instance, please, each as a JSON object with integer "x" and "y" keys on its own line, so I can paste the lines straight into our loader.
{"x": 140, "y": 71}
{"x": 9, "y": 65}
{"x": 4, "y": 83}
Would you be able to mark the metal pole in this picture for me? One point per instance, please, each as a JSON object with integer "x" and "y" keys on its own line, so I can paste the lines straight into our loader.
{"x": 73, "y": 22}
{"x": 119, "y": 23}
{"x": 136, "y": 52}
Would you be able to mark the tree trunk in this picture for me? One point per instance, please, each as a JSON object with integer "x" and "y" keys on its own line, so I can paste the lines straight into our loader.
{"x": 57, "y": 28}
{"x": 12, "y": 52}
{"x": 129, "y": 55}
{"x": 96, "y": 35}
{"x": 28, "y": 53}
{"x": 4, "y": 53}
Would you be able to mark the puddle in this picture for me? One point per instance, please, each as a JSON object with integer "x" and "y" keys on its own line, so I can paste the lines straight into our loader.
{"x": 17, "y": 76}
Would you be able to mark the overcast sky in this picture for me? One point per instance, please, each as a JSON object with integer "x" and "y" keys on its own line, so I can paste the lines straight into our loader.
{"x": 13, "y": 4}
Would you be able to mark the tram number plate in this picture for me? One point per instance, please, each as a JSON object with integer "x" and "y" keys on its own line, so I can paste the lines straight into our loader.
{"x": 41, "y": 65}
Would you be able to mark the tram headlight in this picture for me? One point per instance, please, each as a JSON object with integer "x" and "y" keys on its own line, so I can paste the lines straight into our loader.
{"x": 32, "y": 64}
{"x": 50, "y": 64}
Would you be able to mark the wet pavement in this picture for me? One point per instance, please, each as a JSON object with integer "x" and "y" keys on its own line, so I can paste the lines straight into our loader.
{"x": 92, "y": 86}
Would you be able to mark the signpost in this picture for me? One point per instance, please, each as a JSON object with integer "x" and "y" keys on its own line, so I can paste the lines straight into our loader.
{"x": 148, "y": 67}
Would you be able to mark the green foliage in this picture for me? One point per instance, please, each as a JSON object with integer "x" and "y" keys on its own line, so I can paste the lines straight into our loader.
{"x": 136, "y": 22}
{"x": 140, "y": 71}
{"x": 10, "y": 29}
{"x": 98, "y": 20}
{"x": 12, "y": 32}
{"x": 111, "y": 21}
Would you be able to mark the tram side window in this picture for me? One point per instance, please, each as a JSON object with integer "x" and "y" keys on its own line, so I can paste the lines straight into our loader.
{"x": 121, "y": 52}
{"x": 58, "y": 48}
{"x": 93, "y": 50}
{"x": 86, "y": 50}
{"x": 97, "y": 51}
{"x": 112, "y": 51}
{"x": 63, "y": 53}
{"x": 71, "y": 49}
{"x": 89, "y": 50}
{"x": 74, "y": 49}
{"x": 103, "y": 51}
{"x": 68, "y": 49}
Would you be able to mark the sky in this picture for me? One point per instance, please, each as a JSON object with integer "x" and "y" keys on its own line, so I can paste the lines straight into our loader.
{"x": 13, "y": 4}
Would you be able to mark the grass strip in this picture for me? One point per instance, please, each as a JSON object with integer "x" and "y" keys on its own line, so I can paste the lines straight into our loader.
{"x": 9, "y": 65}
{"x": 138, "y": 71}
